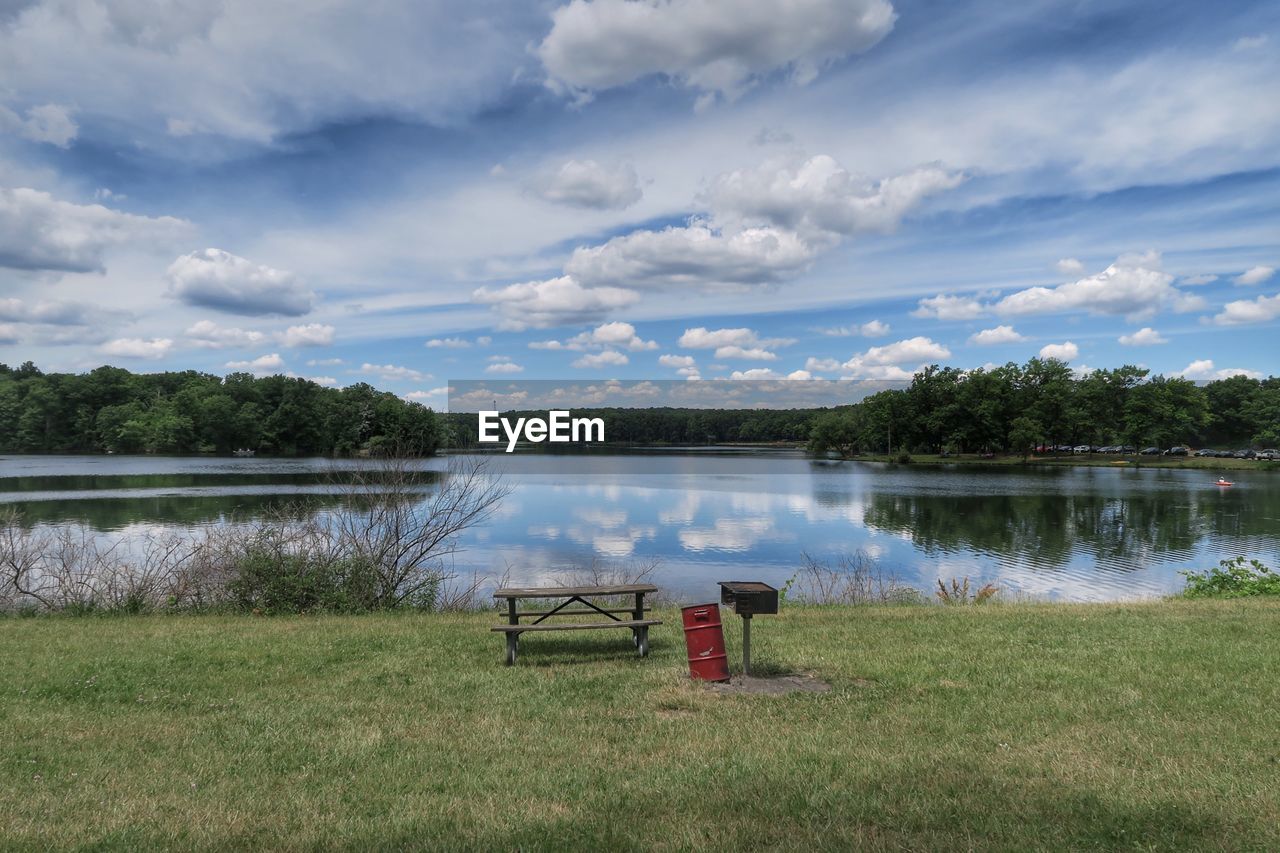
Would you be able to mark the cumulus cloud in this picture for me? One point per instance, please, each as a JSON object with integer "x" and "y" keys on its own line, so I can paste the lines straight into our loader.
{"x": 39, "y": 232}
{"x": 607, "y": 358}
{"x": 554, "y": 302}
{"x": 310, "y": 335}
{"x": 1255, "y": 275}
{"x": 870, "y": 329}
{"x": 696, "y": 255}
{"x": 885, "y": 362}
{"x": 998, "y": 335}
{"x": 1144, "y": 337}
{"x": 262, "y": 364}
{"x": 1069, "y": 266}
{"x": 717, "y": 47}
{"x": 225, "y": 282}
{"x": 138, "y": 347}
{"x": 769, "y": 373}
{"x": 393, "y": 372}
{"x": 942, "y": 307}
{"x": 209, "y": 335}
{"x": 447, "y": 343}
{"x": 1134, "y": 286}
{"x": 1066, "y": 351}
{"x": 504, "y": 365}
{"x": 745, "y": 353}
{"x": 684, "y": 361}
{"x": 51, "y": 123}
{"x": 704, "y": 338}
{"x": 1242, "y": 311}
{"x": 615, "y": 334}
{"x": 819, "y": 199}
{"x": 586, "y": 183}
{"x": 1204, "y": 369}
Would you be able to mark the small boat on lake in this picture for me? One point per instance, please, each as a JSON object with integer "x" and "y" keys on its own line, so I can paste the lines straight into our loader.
{"x": 1223, "y": 481}
{"x": 242, "y": 452}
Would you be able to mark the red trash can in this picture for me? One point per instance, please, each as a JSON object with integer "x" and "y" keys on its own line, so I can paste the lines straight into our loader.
{"x": 704, "y": 638}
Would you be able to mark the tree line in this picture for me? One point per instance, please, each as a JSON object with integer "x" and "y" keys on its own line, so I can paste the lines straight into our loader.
{"x": 113, "y": 410}
{"x": 1015, "y": 408}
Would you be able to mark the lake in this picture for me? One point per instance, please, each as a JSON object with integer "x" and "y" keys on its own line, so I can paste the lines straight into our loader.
{"x": 720, "y": 514}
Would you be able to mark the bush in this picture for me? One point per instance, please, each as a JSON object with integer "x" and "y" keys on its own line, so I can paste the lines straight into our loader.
{"x": 904, "y": 458}
{"x": 268, "y": 581}
{"x": 1236, "y": 578}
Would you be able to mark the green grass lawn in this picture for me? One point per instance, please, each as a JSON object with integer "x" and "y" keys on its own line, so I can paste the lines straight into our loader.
{"x": 1025, "y": 726}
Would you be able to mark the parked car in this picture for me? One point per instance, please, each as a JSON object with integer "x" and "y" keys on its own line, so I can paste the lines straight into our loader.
{"x": 1244, "y": 454}
{"x": 1150, "y": 451}
{"x": 1224, "y": 454}
{"x": 1080, "y": 448}
{"x": 1127, "y": 448}
{"x": 1206, "y": 452}
{"x": 1270, "y": 453}
{"x": 1177, "y": 451}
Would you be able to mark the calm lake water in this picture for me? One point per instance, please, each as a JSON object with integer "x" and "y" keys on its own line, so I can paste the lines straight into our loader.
{"x": 1073, "y": 534}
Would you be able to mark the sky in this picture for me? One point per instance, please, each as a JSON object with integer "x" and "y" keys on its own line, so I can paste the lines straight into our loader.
{"x": 408, "y": 193}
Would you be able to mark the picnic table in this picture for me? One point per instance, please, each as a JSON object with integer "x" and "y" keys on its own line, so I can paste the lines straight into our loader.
{"x": 581, "y": 597}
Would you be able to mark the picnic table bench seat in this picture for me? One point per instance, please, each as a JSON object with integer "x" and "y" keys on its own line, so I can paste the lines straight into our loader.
{"x": 578, "y": 595}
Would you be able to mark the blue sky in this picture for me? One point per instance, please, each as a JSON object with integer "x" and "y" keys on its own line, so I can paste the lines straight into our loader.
{"x": 407, "y": 193}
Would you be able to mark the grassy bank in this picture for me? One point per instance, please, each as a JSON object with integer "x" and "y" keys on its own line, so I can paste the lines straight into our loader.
{"x": 1147, "y": 726}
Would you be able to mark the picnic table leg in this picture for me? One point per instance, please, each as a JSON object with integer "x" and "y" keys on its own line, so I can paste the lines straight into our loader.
{"x": 637, "y": 615}
{"x": 513, "y": 637}
{"x": 512, "y": 640}
{"x": 642, "y": 640}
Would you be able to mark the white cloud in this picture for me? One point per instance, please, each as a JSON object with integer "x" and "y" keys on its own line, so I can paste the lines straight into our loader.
{"x": 1144, "y": 337}
{"x": 1204, "y": 369}
{"x": 310, "y": 335}
{"x": 615, "y": 334}
{"x": 587, "y": 184}
{"x": 745, "y": 353}
{"x": 261, "y": 364}
{"x": 1069, "y": 266}
{"x": 998, "y": 335}
{"x": 504, "y": 367}
{"x": 324, "y": 362}
{"x": 823, "y": 365}
{"x": 447, "y": 343}
{"x": 1133, "y": 286}
{"x": 885, "y": 362}
{"x": 138, "y": 347}
{"x": 942, "y": 307}
{"x": 704, "y": 338}
{"x": 870, "y": 329}
{"x": 39, "y": 232}
{"x": 1196, "y": 280}
{"x": 697, "y": 255}
{"x": 326, "y": 381}
{"x": 393, "y": 372}
{"x": 209, "y": 335}
{"x": 225, "y": 282}
{"x": 606, "y": 358}
{"x": 683, "y": 361}
{"x": 1255, "y": 275}
{"x": 51, "y": 123}
{"x": 718, "y": 47}
{"x": 53, "y": 312}
{"x": 434, "y": 393}
{"x": 819, "y": 199}
{"x": 1242, "y": 311}
{"x": 1062, "y": 352}
{"x": 557, "y": 301}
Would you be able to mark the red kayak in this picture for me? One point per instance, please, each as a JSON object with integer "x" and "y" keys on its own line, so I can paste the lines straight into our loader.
{"x": 1222, "y": 482}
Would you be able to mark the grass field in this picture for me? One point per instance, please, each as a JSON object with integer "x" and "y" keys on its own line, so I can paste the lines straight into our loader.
{"x": 1025, "y": 726}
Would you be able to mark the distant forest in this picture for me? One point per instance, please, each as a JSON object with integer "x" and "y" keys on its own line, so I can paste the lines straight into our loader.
{"x": 1005, "y": 409}
{"x": 111, "y": 409}
{"x": 1009, "y": 408}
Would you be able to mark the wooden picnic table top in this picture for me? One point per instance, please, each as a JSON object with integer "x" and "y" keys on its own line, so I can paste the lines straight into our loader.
{"x": 568, "y": 591}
